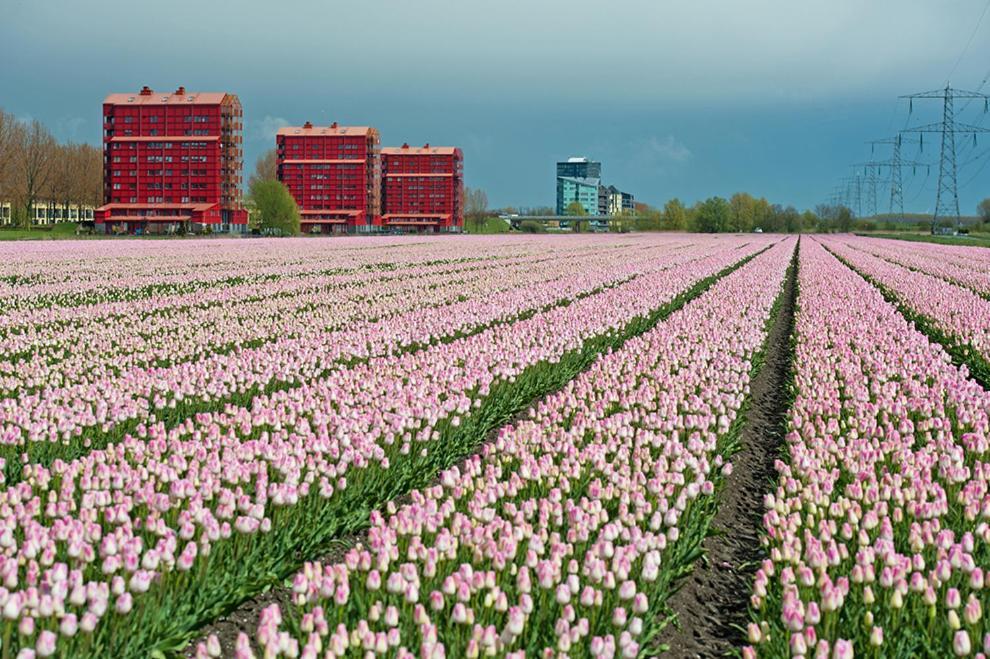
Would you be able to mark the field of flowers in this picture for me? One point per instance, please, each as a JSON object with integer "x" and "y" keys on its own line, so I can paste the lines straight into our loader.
{"x": 499, "y": 446}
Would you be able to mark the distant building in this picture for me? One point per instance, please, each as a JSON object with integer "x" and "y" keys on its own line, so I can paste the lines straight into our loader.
{"x": 578, "y": 179}
{"x": 423, "y": 188}
{"x": 46, "y": 213}
{"x": 172, "y": 159}
{"x": 334, "y": 174}
{"x": 612, "y": 201}
{"x": 579, "y": 168}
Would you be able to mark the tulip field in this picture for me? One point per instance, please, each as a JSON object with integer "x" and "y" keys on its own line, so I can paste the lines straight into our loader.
{"x": 491, "y": 446}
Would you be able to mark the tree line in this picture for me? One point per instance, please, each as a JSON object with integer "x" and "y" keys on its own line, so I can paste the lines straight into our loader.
{"x": 741, "y": 213}
{"x": 36, "y": 168}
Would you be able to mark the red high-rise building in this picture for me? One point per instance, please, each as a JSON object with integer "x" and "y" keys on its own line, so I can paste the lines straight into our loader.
{"x": 170, "y": 160}
{"x": 423, "y": 188}
{"x": 333, "y": 172}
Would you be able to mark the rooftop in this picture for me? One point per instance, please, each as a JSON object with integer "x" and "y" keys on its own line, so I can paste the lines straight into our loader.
{"x": 426, "y": 149}
{"x": 308, "y": 129}
{"x": 147, "y": 96}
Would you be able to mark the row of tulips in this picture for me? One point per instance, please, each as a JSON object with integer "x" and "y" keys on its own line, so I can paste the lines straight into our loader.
{"x": 942, "y": 261}
{"x": 281, "y": 280}
{"x": 952, "y": 315}
{"x": 241, "y": 317}
{"x": 75, "y": 273}
{"x": 877, "y": 532}
{"x": 564, "y": 535}
{"x": 65, "y": 422}
{"x": 126, "y": 549}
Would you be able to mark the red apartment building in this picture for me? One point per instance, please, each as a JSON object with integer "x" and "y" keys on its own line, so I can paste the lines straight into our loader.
{"x": 333, "y": 172}
{"x": 171, "y": 159}
{"x": 423, "y": 188}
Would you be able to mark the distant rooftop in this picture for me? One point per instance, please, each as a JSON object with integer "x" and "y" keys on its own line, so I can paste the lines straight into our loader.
{"x": 332, "y": 129}
{"x": 426, "y": 149}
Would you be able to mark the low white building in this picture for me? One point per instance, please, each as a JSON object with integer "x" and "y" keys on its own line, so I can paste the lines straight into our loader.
{"x": 45, "y": 213}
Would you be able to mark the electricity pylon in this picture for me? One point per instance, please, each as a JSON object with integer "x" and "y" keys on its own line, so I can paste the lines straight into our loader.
{"x": 947, "y": 197}
{"x": 895, "y": 164}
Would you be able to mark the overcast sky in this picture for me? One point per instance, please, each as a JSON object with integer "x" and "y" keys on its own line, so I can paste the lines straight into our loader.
{"x": 685, "y": 98}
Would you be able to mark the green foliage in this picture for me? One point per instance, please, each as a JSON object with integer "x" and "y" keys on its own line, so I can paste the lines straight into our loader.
{"x": 983, "y": 210}
{"x": 276, "y": 209}
{"x": 713, "y": 216}
{"x": 486, "y": 225}
{"x": 675, "y": 216}
{"x": 531, "y": 226}
{"x": 744, "y": 212}
{"x": 575, "y": 208}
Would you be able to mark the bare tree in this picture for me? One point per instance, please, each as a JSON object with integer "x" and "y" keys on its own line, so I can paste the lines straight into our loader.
{"x": 8, "y": 128}
{"x": 265, "y": 169}
{"x": 34, "y": 151}
{"x": 60, "y": 180}
{"x": 88, "y": 188}
{"x": 475, "y": 206}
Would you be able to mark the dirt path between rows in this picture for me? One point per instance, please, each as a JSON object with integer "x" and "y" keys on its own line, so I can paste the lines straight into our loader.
{"x": 712, "y": 602}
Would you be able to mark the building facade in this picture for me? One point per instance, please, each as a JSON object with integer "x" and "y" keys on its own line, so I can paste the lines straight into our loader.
{"x": 334, "y": 174}
{"x": 423, "y": 188}
{"x": 612, "y": 201}
{"x": 581, "y": 190}
{"x": 578, "y": 180}
{"x": 172, "y": 159}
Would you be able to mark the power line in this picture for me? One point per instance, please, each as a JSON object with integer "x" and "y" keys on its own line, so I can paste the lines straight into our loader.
{"x": 968, "y": 43}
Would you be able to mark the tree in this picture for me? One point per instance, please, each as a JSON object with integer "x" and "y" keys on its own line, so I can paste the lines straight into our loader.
{"x": 713, "y": 215}
{"x": 834, "y": 218}
{"x": 674, "y": 216}
{"x": 575, "y": 208}
{"x": 743, "y": 212}
{"x": 88, "y": 186}
{"x": 8, "y": 126}
{"x": 762, "y": 214}
{"x": 265, "y": 169}
{"x": 790, "y": 220}
{"x": 844, "y": 219}
{"x": 276, "y": 208}
{"x": 475, "y": 206}
{"x": 983, "y": 209}
{"x": 34, "y": 152}
{"x": 647, "y": 218}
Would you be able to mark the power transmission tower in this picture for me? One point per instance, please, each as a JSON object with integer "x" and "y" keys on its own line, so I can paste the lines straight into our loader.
{"x": 854, "y": 194}
{"x": 947, "y": 197}
{"x": 895, "y": 164}
{"x": 870, "y": 175}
